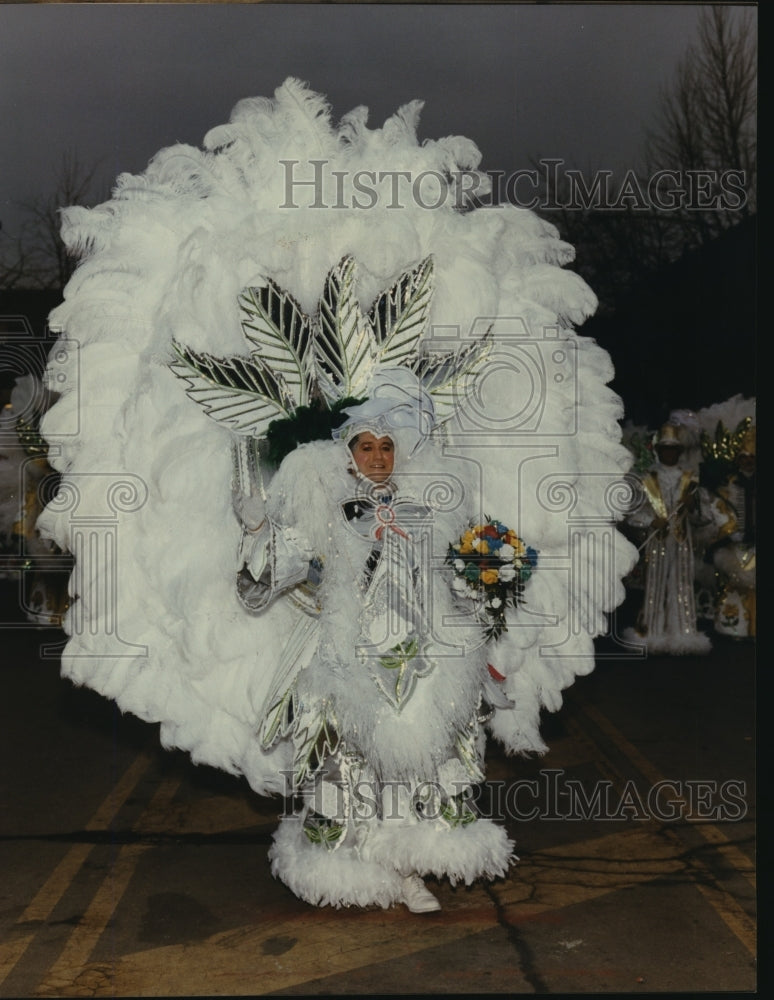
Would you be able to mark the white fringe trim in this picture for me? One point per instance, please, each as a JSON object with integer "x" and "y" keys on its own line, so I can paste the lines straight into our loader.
{"x": 462, "y": 854}
{"x": 672, "y": 645}
{"x": 330, "y": 878}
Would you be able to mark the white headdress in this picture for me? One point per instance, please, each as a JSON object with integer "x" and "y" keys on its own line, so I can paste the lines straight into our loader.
{"x": 398, "y": 406}
{"x": 302, "y": 372}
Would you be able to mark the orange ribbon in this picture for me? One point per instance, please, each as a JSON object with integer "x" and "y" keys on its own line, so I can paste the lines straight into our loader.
{"x": 385, "y": 515}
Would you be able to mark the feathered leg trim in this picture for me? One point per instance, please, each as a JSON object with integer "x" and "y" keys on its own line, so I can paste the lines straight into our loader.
{"x": 323, "y": 877}
{"x": 462, "y": 854}
{"x": 671, "y": 643}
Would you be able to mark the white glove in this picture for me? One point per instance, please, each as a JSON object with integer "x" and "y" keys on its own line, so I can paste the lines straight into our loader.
{"x": 250, "y": 509}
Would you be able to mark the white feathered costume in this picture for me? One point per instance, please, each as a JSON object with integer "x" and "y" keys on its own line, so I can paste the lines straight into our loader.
{"x": 279, "y": 200}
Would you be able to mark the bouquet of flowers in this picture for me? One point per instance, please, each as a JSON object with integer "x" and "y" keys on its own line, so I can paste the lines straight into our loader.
{"x": 491, "y": 566}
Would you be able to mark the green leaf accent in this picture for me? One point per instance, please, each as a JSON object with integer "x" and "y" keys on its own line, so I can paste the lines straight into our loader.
{"x": 322, "y": 830}
{"x": 279, "y": 719}
{"x": 457, "y": 812}
{"x": 466, "y": 745}
{"x": 403, "y": 653}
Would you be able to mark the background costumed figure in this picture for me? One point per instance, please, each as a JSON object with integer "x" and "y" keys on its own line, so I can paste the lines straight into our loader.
{"x": 668, "y": 506}
{"x": 294, "y": 625}
{"x": 729, "y": 467}
{"x": 26, "y": 479}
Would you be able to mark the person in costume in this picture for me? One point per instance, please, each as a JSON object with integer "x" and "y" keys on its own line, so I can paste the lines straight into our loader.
{"x": 399, "y": 711}
{"x": 733, "y": 556}
{"x": 669, "y": 503}
{"x": 401, "y": 449}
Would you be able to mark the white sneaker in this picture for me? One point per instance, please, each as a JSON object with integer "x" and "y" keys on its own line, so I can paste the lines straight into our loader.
{"x": 417, "y": 896}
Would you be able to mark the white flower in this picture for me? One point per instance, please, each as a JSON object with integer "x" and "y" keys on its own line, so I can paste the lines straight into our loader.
{"x": 459, "y": 565}
{"x": 506, "y": 553}
{"x": 496, "y": 602}
{"x": 507, "y": 573}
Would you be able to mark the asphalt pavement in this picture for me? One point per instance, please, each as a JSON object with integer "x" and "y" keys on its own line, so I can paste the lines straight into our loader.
{"x": 129, "y": 871}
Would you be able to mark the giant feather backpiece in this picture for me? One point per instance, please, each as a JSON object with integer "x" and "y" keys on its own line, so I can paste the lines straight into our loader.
{"x": 196, "y": 281}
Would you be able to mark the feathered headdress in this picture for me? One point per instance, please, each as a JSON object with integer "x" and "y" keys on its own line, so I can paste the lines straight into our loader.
{"x": 303, "y": 372}
{"x": 721, "y": 450}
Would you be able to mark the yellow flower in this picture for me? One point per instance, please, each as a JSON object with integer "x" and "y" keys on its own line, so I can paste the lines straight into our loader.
{"x": 513, "y": 539}
{"x": 489, "y": 576}
{"x": 466, "y": 547}
{"x": 483, "y": 547}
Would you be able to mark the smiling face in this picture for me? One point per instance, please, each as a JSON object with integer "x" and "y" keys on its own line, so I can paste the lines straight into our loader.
{"x": 374, "y": 457}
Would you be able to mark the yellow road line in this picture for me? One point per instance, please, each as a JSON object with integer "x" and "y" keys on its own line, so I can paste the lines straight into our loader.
{"x": 55, "y": 886}
{"x": 732, "y": 914}
{"x": 93, "y": 924}
{"x": 711, "y": 833}
{"x": 242, "y": 962}
{"x": 235, "y": 960}
{"x": 11, "y": 952}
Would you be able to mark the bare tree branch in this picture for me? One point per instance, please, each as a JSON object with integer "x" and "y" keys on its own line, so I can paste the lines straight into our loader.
{"x": 707, "y": 121}
{"x": 704, "y": 137}
{"x": 37, "y": 257}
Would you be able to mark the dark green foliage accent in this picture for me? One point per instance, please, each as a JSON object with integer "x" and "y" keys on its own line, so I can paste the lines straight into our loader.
{"x": 308, "y": 423}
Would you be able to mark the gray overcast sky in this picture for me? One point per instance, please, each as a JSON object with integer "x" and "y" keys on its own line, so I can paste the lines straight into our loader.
{"x": 116, "y": 82}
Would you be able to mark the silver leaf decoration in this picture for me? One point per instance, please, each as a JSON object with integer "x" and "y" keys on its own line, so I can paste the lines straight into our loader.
{"x": 297, "y": 360}
{"x": 282, "y": 335}
{"x": 447, "y": 377}
{"x": 399, "y": 315}
{"x": 345, "y": 346}
{"x": 241, "y": 393}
